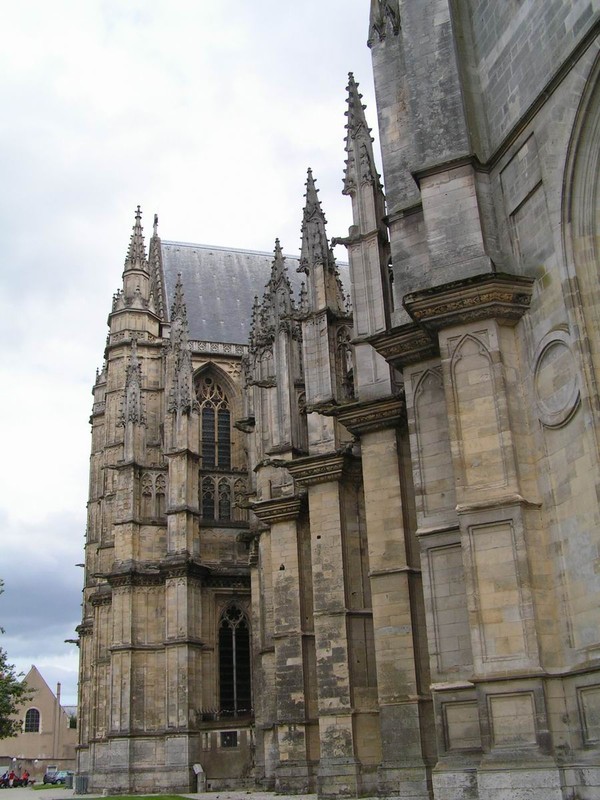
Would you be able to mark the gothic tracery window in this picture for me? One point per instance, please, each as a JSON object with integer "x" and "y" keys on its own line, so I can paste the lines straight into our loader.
{"x": 234, "y": 662}
{"x": 215, "y": 425}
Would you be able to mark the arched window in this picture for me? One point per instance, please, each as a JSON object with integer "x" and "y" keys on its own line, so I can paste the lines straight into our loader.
{"x": 32, "y": 721}
{"x": 234, "y": 662}
{"x": 215, "y": 425}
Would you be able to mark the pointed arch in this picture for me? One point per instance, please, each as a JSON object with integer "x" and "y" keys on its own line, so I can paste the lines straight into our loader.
{"x": 235, "y": 683}
{"x": 207, "y": 498}
{"x": 478, "y": 403}
{"x": 581, "y": 232}
{"x": 433, "y": 492}
{"x": 216, "y": 397}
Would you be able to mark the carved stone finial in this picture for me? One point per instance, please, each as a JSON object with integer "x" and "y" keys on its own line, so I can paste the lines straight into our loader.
{"x": 315, "y": 247}
{"x": 181, "y": 398}
{"x": 384, "y": 19}
{"x": 132, "y": 409}
{"x": 360, "y": 164}
{"x": 136, "y": 253}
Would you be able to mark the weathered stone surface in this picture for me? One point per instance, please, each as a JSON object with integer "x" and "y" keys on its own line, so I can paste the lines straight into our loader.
{"x": 399, "y": 536}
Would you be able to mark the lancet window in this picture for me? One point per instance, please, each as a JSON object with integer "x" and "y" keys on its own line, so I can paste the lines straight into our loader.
{"x": 234, "y": 662}
{"x": 215, "y": 425}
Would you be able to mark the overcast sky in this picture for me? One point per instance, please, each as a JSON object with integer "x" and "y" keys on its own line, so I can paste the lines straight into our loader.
{"x": 207, "y": 113}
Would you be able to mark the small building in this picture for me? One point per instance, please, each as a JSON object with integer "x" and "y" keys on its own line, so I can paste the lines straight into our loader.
{"x": 48, "y": 735}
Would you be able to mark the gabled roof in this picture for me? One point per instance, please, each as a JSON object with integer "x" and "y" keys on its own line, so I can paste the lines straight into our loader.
{"x": 220, "y": 285}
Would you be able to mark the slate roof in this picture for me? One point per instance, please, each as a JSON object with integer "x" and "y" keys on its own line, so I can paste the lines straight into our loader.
{"x": 220, "y": 284}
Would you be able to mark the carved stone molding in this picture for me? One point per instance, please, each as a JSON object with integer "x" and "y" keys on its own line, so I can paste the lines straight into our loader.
{"x": 406, "y": 344}
{"x": 376, "y": 415}
{"x": 136, "y": 579}
{"x": 385, "y": 17}
{"x": 323, "y": 468}
{"x": 197, "y": 346}
{"x": 228, "y": 582}
{"x": 101, "y": 598}
{"x": 490, "y": 296}
{"x": 277, "y": 510}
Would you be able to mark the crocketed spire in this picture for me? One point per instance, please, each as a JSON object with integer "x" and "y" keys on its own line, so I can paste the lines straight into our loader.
{"x": 315, "y": 246}
{"x": 136, "y": 253}
{"x": 360, "y": 164}
{"x": 181, "y": 399}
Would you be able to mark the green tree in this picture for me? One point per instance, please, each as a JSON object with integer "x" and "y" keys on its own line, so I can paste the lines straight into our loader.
{"x": 13, "y": 692}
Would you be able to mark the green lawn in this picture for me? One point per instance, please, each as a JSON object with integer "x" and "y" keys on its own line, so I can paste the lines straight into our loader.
{"x": 43, "y": 786}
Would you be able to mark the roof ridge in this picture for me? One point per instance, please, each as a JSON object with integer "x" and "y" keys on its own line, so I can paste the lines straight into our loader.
{"x": 222, "y": 249}
{"x": 269, "y": 255}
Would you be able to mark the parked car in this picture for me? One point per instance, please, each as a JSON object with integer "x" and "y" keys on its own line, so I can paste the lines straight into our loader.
{"x": 58, "y": 777}
{"x": 49, "y": 774}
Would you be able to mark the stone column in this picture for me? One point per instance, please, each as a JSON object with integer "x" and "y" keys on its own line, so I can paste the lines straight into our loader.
{"x": 295, "y": 731}
{"x": 344, "y": 714}
{"x": 413, "y": 351}
{"x": 498, "y": 512}
{"x": 398, "y": 621}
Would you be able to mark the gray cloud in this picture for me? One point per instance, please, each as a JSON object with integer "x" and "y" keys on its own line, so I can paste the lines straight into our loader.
{"x": 209, "y": 114}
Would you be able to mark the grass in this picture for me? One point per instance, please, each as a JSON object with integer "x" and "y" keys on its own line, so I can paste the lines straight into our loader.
{"x": 42, "y": 786}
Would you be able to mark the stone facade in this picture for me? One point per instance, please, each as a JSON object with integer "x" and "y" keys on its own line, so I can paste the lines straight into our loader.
{"x": 48, "y": 735}
{"x": 358, "y": 552}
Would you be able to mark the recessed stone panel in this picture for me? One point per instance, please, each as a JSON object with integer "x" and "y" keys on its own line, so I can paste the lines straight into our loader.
{"x": 589, "y": 709}
{"x": 499, "y": 600}
{"x": 461, "y": 722}
{"x": 512, "y": 718}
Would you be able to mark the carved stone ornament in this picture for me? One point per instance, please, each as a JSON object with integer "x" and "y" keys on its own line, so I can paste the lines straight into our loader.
{"x": 490, "y": 296}
{"x": 322, "y": 468}
{"x": 385, "y": 16}
{"x": 406, "y": 344}
{"x": 132, "y": 408}
{"x": 277, "y": 510}
{"x": 361, "y": 418}
{"x": 555, "y": 380}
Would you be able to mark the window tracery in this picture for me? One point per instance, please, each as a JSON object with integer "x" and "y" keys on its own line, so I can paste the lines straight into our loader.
{"x": 234, "y": 662}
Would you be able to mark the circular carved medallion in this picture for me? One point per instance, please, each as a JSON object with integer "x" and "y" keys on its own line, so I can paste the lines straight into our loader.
{"x": 555, "y": 380}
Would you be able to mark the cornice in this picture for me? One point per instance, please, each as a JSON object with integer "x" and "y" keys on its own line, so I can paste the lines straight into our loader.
{"x": 497, "y": 296}
{"x": 365, "y": 417}
{"x": 404, "y": 345}
{"x": 279, "y": 509}
{"x": 228, "y": 582}
{"x": 101, "y": 598}
{"x": 226, "y": 349}
{"x": 323, "y": 468}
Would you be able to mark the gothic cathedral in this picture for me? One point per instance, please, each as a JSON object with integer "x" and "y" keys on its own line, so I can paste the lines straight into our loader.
{"x": 344, "y": 519}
